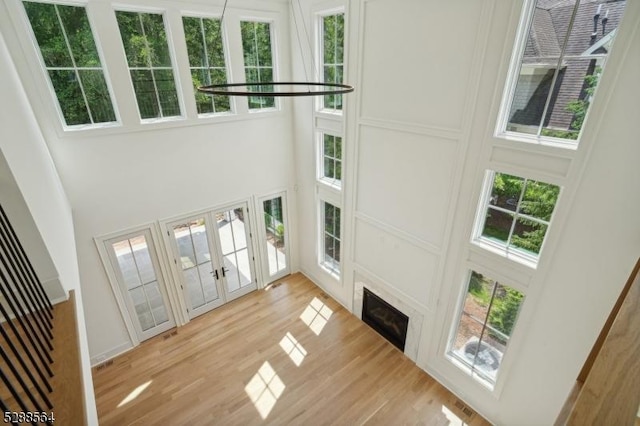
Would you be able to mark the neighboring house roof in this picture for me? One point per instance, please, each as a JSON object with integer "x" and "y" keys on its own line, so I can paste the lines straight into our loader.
{"x": 542, "y": 41}
{"x": 546, "y": 39}
{"x": 551, "y": 20}
{"x": 601, "y": 47}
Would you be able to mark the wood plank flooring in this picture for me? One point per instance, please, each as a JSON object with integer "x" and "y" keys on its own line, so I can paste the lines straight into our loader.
{"x": 286, "y": 355}
{"x": 68, "y": 393}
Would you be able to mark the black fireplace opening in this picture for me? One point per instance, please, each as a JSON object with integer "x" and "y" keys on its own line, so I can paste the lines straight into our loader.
{"x": 389, "y": 322}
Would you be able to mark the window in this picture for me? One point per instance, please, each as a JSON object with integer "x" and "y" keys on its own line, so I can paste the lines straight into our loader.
{"x": 333, "y": 57}
{"x": 559, "y": 66}
{"x": 488, "y": 317}
{"x": 145, "y": 44}
{"x": 207, "y": 61}
{"x": 330, "y": 253}
{"x": 258, "y": 61}
{"x": 72, "y": 62}
{"x": 331, "y": 154}
{"x": 517, "y": 214}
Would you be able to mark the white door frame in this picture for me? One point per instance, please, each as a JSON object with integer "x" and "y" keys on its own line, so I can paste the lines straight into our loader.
{"x": 250, "y": 251}
{"x": 176, "y": 264}
{"x": 171, "y": 254}
{"x": 121, "y": 293}
{"x": 262, "y": 236}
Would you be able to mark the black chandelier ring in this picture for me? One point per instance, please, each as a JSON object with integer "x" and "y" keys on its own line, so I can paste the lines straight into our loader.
{"x": 313, "y": 89}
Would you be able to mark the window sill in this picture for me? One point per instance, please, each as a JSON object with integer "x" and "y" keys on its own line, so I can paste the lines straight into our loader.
{"x": 548, "y": 141}
{"x": 331, "y": 183}
{"x": 175, "y": 118}
{"x": 333, "y": 273}
{"x": 512, "y": 254}
{"x": 330, "y": 113}
{"x": 91, "y": 127}
{"x": 118, "y": 128}
{"x": 466, "y": 369}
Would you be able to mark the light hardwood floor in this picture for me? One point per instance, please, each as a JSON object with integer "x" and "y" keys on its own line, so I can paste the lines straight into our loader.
{"x": 286, "y": 355}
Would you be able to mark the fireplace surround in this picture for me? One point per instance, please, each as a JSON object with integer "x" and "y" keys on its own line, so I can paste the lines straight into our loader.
{"x": 385, "y": 319}
{"x": 398, "y": 301}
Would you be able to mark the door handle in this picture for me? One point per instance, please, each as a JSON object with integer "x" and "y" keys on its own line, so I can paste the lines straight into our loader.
{"x": 215, "y": 273}
{"x": 223, "y": 271}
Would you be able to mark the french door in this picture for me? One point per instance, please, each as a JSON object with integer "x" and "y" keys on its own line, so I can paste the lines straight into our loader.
{"x": 134, "y": 262}
{"x": 274, "y": 232}
{"x": 213, "y": 257}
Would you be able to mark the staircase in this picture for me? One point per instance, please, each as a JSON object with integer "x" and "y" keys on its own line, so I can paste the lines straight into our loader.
{"x": 40, "y": 370}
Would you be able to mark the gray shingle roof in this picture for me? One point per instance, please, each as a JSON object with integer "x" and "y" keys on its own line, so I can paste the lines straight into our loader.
{"x": 544, "y": 44}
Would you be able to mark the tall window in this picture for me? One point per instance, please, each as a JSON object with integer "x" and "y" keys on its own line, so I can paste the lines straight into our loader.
{"x": 71, "y": 59}
{"x": 331, "y": 154}
{"x": 565, "y": 51}
{"x": 333, "y": 57}
{"x": 330, "y": 257}
{"x": 487, "y": 319}
{"x": 517, "y": 214}
{"x": 258, "y": 60}
{"x": 207, "y": 61}
{"x": 145, "y": 44}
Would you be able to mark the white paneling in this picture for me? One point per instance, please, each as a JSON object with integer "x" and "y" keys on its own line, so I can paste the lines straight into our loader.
{"x": 405, "y": 179}
{"x": 410, "y": 269}
{"x": 418, "y": 54}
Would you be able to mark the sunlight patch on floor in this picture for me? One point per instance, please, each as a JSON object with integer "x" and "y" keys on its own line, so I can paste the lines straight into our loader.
{"x": 135, "y": 393}
{"x": 293, "y": 348}
{"x": 453, "y": 419}
{"x": 316, "y": 315}
{"x": 264, "y": 389}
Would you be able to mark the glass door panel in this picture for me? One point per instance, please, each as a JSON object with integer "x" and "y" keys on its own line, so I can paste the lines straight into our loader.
{"x": 274, "y": 245}
{"x": 196, "y": 265}
{"x": 145, "y": 297}
{"x": 233, "y": 235}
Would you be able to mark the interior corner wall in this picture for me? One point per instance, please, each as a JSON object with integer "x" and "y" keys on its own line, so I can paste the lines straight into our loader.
{"x": 28, "y": 158}
{"x": 38, "y": 207}
{"x": 600, "y": 244}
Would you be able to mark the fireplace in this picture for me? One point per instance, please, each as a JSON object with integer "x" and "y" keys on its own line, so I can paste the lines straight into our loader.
{"x": 385, "y": 319}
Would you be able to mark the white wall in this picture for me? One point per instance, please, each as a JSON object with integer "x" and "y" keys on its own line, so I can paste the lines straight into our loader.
{"x": 36, "y": 203}
{"x": 420, "y": 127}
{"x": 134, "y": 174}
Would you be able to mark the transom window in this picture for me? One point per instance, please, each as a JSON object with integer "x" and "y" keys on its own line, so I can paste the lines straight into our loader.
{"x": 333, "y": 57}
{"x": 72, "y": 62}
{"x": 331, "y": 154}
{"x": 145, "y": 44}
{"x": 330, "y": 257}
{"x": 559, "y": 67}
{"x": 207, "y": 61}
{"x": 258, "y": 61}
{"x": 517, "y": 214}
{"x": 488, "y": 316}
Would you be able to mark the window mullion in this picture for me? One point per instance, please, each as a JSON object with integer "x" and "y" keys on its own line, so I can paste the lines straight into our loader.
{"x": 206, "y": 60}
{"x": 557, "y": 71}
{"x": 73, "y": 62}
{"x": 204, "y": 45}
{"x": 142, "y": 284}
{"x": 151, "y": 69}
{"x": 484, "y": 324}
{"x": 516, "y": 214}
